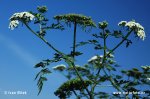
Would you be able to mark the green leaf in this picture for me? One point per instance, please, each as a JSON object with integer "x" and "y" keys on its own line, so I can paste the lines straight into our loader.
{"x": 41, "y": 64}
{"x": 124, "y": 71}
{"x": 129, "y": 42}
{"x": 40, "y": 83}
{"x": 77, "y": 53}
{"x": 102, "y": 25}
{"x": 118, "y": 76}
{"x": 82, "y": 43}
{"x": 46, "y": 71}
{"x": 98, "y": 47}
{"x": 37, "y": 75}
{"x": 93, "y": 41}
{"x": 42, "y": 9}
{"x": 103, "y": 78}
{"x": 117, "y": 34}
{"x": 110, "y": 68}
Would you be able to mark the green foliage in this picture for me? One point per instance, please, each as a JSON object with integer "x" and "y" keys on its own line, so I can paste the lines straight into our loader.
{"x": 102, "y": 25}
{"x": 42, "y": 9}
{"x": 41, "y": 78}
{"x": 66, "y": 89}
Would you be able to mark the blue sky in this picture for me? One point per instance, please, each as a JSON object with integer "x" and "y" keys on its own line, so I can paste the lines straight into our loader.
{"x": 20, "y": 50}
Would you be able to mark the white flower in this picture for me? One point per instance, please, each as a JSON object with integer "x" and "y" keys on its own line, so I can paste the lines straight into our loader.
{"x": 148, "y": 78}
{"x": 60, "y": 67}
{"x": 95, "y": 58}
{"x": 122, "y": 23}
{"x": 136, "y": 27}
{"x": 13, "y": 24}
{"x": 22, "y": 16}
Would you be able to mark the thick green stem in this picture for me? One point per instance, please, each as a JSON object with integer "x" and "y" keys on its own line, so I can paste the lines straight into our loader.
{"x": 74, "y": 40}
{"x": 105, "y": 54}
{"x": 103, "y": 61}
{"x": 73, "y": 55}
{"x": 111, "y": 80}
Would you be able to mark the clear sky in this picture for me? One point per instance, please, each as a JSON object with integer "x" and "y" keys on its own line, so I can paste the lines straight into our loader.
{"x": 20, "y": 50}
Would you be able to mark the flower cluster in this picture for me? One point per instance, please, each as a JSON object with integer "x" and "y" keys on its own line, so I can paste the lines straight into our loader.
{"x": 78, "y": 18}
{"x": 22, "y": 16}
{"x": 13, "y": 24}
{"x": 136, "y": 27}
{"x": 102, "y": 25}
{"x": 60, "y": 67}
{"x": 65, "y": 90}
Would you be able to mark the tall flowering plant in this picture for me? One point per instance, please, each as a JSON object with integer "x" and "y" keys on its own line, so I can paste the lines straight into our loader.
{"x": 100, "y": 70}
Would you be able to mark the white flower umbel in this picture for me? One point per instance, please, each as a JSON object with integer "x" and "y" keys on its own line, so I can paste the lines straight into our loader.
{"x": 13, "y": 24}
{"x": 22, "y": 16}
{"x": 122, "y": 23}
{"x": 96, "y": 58}
{"x": 60, "y": 67}
{"x": 136, "y": 27}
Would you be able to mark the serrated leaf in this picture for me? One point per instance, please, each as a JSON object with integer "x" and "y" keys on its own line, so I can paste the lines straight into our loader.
{"x": 38, "y": 74}
{"x": 41, "y": 64}
{"x": 40, "y": 83}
